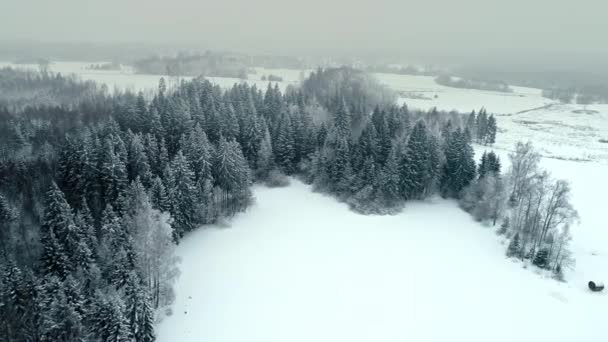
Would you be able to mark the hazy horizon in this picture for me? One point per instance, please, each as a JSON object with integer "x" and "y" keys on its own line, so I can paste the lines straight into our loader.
{"x": 469, "y": 31}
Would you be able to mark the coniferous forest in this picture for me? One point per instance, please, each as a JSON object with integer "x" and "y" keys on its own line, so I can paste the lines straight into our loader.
{"x": 96, "y": 192}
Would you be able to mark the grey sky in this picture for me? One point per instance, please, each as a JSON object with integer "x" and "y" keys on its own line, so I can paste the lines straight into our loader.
{"x": 421, "y": 27}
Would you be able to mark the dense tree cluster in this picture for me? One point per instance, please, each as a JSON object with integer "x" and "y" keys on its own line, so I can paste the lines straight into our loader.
{"x": 19, "y": 89}
{"x": 535, "y": 210}
{"x": 482, "y": 127}
{"x": 449, "y": 81}
{"x": 94, "y": 196}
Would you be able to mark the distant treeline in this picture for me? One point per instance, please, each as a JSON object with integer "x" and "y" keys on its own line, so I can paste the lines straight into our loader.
{"x": 20, "y": 88}
{"x": 454, "y": 82}
{"x": 105, "y": 66}
{"x": 563, "y": 85}
{"x": 400, "y": 70}
{"x": 208, "y": 64}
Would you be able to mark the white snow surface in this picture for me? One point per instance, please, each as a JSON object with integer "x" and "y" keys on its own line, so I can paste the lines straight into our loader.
{"x": 127, "y": 79}
{"x": 299, "y": 266}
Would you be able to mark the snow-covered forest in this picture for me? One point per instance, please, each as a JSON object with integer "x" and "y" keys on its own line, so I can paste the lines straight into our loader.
{"x": 97, "y": 190}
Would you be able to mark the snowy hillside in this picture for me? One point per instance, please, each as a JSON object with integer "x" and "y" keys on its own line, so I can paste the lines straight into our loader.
{"x": 298, "y": 266}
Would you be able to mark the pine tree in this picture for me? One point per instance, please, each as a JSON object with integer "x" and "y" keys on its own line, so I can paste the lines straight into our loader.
{"x": 418, "y": 173}
{"x": 8, "y": 215}
{"x": 482, "y": 126}
{"x": 491, "y": 130}
{"x": 109, "y": 322}
{"x": 113, "y": 174}
{"x": 232, "y": 175}
{"x": 228, "y": 122}
{"x": 158, "y": 196}
{"x": 115, "y": 249}
{"x": 514, "y": 249}
{"x": 284, "y": 147}
{"x": 490, "y": 163}
{"x": 182, "y": 196}
{"x": 199, "y": 152}
{"x": 541, "y": 258}
{"x": 72, "y": 162}
{"x": 179, "y": 123}
{"x": 138, "y": 311}
{"x": 62, "y": 316}
{"x": 459, "y": 168}
{"x": 19, "y": 308}
{"x": 265, "y": 160}
{"x": 138, "y": 162}
{"x": 472, "y": 124}
{"x": 389, "y": 182}
{"x": 503, "y": 227}
{"x": 335, "y": 159}
{"x": 57, "y": 229}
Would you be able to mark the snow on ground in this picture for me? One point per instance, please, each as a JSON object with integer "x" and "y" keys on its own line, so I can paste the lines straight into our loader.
{"x": 422, "y": 92}
{"x": 127, "y": 79}
{"x": 565, "y": 131}
{"x": 299, "y": 266}
{"x": 590, "y": 234}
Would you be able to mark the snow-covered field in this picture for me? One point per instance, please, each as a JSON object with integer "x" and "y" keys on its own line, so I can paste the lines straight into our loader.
{"x": 557, "y": 130}
{"x": 299, "y": 266}
{"x": 127, "y": 79}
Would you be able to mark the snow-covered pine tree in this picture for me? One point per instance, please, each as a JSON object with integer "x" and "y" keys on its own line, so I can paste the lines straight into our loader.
{"x": 199, "y": 152}
{"x": 459, "y": 168}
{"x": 418, "y": 174}
{"x": 491, "y": 130}
{"x": 514, "y": 249}
{"x": 57, "y": 233}
{"x": 62, "y": 317}
{"x": 284, "y": 146}
{"x": 109, "y": 323}
{"x": 138, "y": 163}
{"x": 139, "y": 312}
{"x": 541, "y": 259}
{"x": 183, "y": 196}
{"x": 158, "y": 196}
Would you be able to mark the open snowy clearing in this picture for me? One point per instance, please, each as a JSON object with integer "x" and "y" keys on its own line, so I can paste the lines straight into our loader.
{"x": 299, "y": 266}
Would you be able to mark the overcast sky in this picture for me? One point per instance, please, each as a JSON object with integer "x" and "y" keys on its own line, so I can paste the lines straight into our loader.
{"x": 423, "y": 27}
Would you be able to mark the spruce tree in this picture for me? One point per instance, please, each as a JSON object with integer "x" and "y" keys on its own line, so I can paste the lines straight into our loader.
{"x": 491, "y": 130}
{"x": 182, "y": 196}
{"x": 284, "y": 147}
{"x": 138, "y": 311}
{"x": 514, "y": 249}
{"x": 158, "y": 196}
{"x": 541, "y": 258}
{"x": 109, "y": 322}
{"x": 459, "y": 168}
{"x": 418, "y": 174}
{"x": 57, "y": 233}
